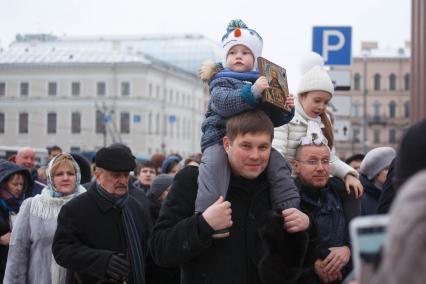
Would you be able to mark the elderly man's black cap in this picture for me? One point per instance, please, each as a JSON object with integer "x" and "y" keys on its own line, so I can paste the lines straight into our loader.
{"x": 115, "y": 159}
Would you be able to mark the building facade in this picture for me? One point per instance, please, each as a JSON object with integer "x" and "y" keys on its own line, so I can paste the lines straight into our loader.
{"x": 387, "y": 94}
{"x": 82, "y": 94}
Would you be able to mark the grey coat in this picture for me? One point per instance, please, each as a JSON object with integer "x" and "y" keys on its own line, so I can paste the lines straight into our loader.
{"x": 30, "y": 251}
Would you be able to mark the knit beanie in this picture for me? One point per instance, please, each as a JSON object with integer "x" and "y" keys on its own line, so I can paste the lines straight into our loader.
{"x": 411, "y": 156}
{"x": 237, "y": 32}
{"x": 377, "y": 160}
{"x": 160, "y": 184}
{"x": 314, "y": 76}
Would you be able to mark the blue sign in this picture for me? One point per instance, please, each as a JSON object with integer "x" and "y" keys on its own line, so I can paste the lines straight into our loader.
{"x": 106, "y": 118}
{"x": 137, "y": 118}
{"x": 172, "y": 118}
{"x": 333, "y": 44}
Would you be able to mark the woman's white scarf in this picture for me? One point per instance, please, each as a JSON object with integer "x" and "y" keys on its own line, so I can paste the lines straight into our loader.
{"x": 45, "y": 206}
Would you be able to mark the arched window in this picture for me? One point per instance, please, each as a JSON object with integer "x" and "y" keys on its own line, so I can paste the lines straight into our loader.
{"x": 392, "y": 82}
{"x": 392, "y": 135}
{"x": 357, "y": 82}
{"x": 377, "y": 78}
{"x": 407, "y": 109}
{"x": 376, "y": 111}
{"x": 150, "y": 123}
{"x": 392, "y": 109}
{"x": 407, "y": 82}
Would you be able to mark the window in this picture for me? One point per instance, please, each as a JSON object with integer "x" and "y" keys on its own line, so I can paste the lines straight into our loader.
{"x": 23, "y": 123}
{"x": 376, "y": 111}
{"x": 392, "y": 82}
{"x": 100, "y": 125}
{"x": 150, "y": 90}
{"x": 407, "y": 109}
{"x": 392, "y": 136}
{"x": 407, "y": 82}
{"x": 2, "y": 89}
{"x": 377, "y": 82}
{"x": 357, "y": 82}
{"x": 376, "y": 136}
{"x": 52, "y": 88}
{"x": 356, "y": 133}
{"x": 24, "y": 89}
{"x": 2, "y": 121}
{"x": 51, "y": 123}
{"x": 75, "y": 122}
{"x": 157, "y": 92}
{"x": 392, "y": 109}
{"x": 171, "y": 96}
{"x": 101, "y": 88}
{"x": 124, "y": 122}
{"x": 75, "y": 88}
{"x": 356, "y": 109}
{"x": 125, "y": 88}
{"x": 150, "y": 123}
{"x": 157, "y": 124}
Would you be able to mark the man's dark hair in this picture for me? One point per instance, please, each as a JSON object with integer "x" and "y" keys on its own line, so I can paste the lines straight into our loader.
{"x": 255, "y": 121}
{"x": 355, "y": 157}
{"x": 53, "y": 148}
{"x": 146, "y": 164}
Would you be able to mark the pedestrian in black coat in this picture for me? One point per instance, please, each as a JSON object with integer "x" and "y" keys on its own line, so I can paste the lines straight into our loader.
{"x": 102, "y": 234}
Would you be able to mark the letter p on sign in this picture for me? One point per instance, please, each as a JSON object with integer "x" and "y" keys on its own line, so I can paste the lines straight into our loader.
{"x": 334, "y": 44}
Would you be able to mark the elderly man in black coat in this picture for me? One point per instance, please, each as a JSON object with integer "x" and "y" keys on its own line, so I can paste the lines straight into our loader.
{"x": 102, "y": 234}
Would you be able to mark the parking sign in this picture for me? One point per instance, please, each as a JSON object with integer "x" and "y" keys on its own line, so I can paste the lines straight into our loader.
{"x": 334, "y": 44}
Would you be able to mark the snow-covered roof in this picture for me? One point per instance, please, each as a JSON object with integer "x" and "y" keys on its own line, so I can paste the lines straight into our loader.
{"x": 185, "y": 51}
{"x": 385, "y": 53}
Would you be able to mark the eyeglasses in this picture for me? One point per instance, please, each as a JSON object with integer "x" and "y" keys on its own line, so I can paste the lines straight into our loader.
{"x": 312, "y": 162}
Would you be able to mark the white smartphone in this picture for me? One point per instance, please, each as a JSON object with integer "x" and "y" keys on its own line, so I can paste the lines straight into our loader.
{"x": 367, "y": 236}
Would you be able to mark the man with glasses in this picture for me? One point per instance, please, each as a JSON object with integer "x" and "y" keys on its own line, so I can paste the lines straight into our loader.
{"x": 320, "y": 198}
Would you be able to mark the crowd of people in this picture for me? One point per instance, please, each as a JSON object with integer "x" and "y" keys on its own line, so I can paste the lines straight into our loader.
{"x": 267, "y": 201}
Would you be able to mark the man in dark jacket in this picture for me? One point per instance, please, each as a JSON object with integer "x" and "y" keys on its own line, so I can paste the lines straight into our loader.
{"x": 26, "y": 157}
{"x": 102, "y": 234}
{"x": 321, "y": 199}
{"x": 252, "y": 253}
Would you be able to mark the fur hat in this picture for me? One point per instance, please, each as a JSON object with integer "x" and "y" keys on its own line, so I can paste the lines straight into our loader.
{"x": 160, "y": 184}
{"x": 115, "y": 159}
{"x": 377, "y": 160}
{"x": 314, "y": 76}
{"x": 237, "y": 32}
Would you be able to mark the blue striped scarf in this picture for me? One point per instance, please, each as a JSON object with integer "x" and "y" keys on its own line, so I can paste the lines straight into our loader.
{"x": 133, "y": 239}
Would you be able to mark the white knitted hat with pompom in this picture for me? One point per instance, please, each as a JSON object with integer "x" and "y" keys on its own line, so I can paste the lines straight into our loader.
{"x": 314, "y": 76}
{"x": 237, "y": 33}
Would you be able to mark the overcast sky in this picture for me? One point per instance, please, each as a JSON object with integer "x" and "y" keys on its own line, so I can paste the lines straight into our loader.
{"x": 285, "y": 25}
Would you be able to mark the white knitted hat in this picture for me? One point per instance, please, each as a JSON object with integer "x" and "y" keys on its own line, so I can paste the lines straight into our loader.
{"x": 314, "y": 76}
{"x": 238, "y": 33}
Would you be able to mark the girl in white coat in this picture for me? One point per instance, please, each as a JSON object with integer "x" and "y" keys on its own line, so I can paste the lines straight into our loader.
{"x": 314, "y": 93}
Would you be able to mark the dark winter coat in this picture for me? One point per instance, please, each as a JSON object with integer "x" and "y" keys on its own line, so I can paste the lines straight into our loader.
{"x": 6, "y": 170}
{"x": 371, "y": 196}
{"x": 183, "y": 238}
{"x": 325, "y": 207}
{"x": 230, "y": 97}
{"x": 90, "y": 229}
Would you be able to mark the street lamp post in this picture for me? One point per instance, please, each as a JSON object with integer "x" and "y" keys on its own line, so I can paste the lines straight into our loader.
{"x": 365, "y": 122}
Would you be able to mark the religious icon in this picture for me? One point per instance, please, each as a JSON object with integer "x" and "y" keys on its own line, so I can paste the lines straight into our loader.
{"x": 276, "y": 76}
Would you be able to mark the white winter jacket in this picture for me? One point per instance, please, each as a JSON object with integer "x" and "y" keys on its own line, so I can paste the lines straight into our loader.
{"x": 287, "y": 138}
